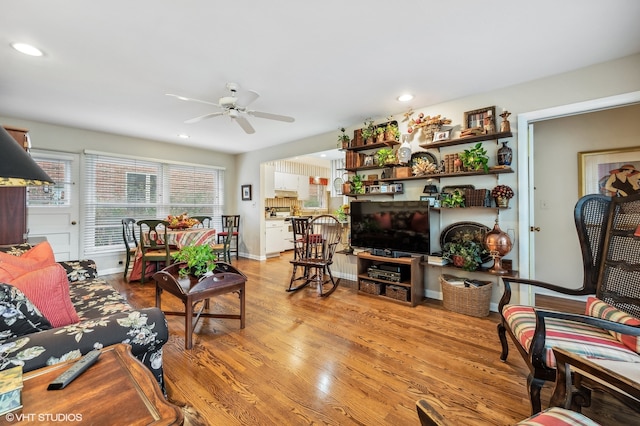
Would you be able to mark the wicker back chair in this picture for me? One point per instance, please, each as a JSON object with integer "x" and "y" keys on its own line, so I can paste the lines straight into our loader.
{"x": 611, "y": 255}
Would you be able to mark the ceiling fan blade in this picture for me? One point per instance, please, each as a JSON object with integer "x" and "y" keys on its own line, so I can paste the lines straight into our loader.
{"x": 244, "y": 123}
{"x": 245, "y": 98}
{"x": 271, "y": 116}
{"x": 184, "y": 98}
{"x": 204, "y": 117}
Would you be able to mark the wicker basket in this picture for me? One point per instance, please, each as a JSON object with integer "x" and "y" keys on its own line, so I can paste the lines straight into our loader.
{"x": 396, "y": 292}
{"x": 476, "y": 197}
{"x": 370, "y": 287}
{"x": 473, "y": 301}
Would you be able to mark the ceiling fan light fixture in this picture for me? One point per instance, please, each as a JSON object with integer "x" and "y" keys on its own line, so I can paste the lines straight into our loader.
{"x": 27, "y": 49}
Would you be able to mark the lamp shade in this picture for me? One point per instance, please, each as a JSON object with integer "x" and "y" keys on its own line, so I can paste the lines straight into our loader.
{"x": 430, "y": 189}
{"x": 17, "y": 168}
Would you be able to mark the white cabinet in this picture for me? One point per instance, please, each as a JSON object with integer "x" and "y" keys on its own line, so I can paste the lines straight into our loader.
{"x": 275, "y": 231}
{"x": 285, "y": 181}
{"x": 269, "y": 182}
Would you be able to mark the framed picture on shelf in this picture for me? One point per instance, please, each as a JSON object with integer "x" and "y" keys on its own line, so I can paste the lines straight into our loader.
{"x": 483, "y": 117}
{"x": 441, "y": 136}
{"x": 246, "y": 192}
{"x": 430, "y": 198}
{"x": 609, "y": 172}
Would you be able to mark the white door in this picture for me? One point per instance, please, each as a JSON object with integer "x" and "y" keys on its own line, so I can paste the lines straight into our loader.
{"x": 53, "y": 212}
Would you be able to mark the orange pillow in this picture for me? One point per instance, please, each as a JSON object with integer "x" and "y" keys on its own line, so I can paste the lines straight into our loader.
{"x": 48, "y": 289}
{"x": 598, "y": 309}
{"x": 37, "y": 257}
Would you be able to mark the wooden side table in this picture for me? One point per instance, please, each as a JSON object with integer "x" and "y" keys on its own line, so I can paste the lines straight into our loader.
{"x": 118, "y": 389}
{"x": 576, "y": 376}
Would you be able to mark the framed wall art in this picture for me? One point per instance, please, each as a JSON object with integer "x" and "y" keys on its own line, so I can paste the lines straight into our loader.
{"x": 246, "y": 192}
{"x": 441, "y": 136}
{"x": 483, "y": 117}
{"x": 609, "y": 172}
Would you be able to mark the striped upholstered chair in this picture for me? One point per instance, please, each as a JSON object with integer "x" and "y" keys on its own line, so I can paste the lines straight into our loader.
{"x": 608, "y": 330}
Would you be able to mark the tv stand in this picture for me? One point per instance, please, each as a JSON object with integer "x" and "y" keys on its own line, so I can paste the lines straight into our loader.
{"x": 407, "y": 291}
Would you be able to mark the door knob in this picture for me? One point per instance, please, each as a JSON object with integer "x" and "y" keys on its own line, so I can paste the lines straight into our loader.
{"x": 534, "y": 228}
{"x": 73, "y": 222}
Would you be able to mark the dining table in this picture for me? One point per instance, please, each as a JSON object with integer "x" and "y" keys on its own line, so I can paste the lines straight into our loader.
{"x": 177, "y": 238}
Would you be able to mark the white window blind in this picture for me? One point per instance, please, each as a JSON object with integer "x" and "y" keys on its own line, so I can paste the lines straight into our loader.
{"x": 119, "y": 187}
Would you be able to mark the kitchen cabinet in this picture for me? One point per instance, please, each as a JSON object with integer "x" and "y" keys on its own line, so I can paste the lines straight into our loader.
{"x": 269, "y": 182}
{"x": 275, "y": 232}
{"x": 285, "y": 181}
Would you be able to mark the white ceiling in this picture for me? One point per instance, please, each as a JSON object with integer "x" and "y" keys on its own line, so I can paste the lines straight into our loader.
{"x": 330, "y": 63}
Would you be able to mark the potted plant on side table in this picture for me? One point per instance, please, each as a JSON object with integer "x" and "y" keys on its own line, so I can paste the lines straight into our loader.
{"x": 198, "y": 260}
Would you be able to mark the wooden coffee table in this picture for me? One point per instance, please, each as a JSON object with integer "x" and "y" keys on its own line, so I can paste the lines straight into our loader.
{"x": 117, "y": 389}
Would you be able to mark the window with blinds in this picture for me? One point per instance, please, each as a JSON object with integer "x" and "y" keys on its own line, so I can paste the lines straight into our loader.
{"x": 118, "y": 187}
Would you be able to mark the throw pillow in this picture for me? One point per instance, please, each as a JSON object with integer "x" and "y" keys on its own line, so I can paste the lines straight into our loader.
{"x": 48, "y": 289}
{"x": 18, "y": 316}
{"x": 598, "y": 309}
{"x": 37, "y": 257}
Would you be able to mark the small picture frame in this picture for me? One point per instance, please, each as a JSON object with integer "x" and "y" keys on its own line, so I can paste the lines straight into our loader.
{"x": 441, "y": 136}
{"x": 368, "y": 160}
{"x": 430, "y": 198}
{"x": 246, "y": 192}
{"x": 483, "y": 117}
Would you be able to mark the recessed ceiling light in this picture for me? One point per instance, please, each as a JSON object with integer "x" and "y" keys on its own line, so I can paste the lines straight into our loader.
{"x": 27, "y": 49}
{"x": 183, "y": 136}
{"x": 405, "y": 98}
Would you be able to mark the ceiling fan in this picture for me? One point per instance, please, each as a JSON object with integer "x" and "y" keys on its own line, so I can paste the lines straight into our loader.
{"x": 235, "y": 106}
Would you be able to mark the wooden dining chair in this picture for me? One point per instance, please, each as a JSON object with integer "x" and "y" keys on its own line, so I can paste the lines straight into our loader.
{"x": 153, "y": 247}
{"x": 130, "y": 242}
{"x": 205, "y": 221}
{"x": 224, "y": 248}
{"x": 235, "y": 232}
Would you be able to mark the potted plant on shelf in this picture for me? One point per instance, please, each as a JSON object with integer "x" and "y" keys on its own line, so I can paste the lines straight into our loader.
{"x": 368, "y": 131}
{"x": 385, "y": 156}
{"x": 379, "y": 134}
{"x": 465, "y": 254}
{"x": 502, "y": 194}
{"x": 475, "y": 159}
{"x": 343, "y": 139}
{"x": 391, "y": 131}
{"x": 198, "y": 260}
{"x": 357, "y": 184}
{"x": 453, "y": 199}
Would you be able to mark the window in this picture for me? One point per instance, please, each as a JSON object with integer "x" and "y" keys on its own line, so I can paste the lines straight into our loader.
{"x": 59, "y": 169}
{"x": 118, "y": 187}
{"x": 317, "y": 194}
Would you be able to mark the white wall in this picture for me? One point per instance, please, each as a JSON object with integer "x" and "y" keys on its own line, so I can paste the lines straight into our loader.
{"x": 602, "y": 80}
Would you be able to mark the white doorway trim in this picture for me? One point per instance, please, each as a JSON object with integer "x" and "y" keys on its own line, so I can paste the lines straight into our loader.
{"x": 525, "y": 173}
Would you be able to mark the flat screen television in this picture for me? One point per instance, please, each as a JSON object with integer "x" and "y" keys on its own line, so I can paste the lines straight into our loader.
{"x": 398, "y": 226}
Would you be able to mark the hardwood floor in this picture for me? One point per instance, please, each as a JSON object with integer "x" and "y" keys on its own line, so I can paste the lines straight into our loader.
{"x": 345, "y": 359}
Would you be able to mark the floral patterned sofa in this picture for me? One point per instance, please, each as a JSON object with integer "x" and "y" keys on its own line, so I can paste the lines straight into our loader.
{"x": 105, "y": 319}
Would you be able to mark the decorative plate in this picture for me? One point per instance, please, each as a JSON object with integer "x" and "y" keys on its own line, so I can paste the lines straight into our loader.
{"x": 465, "y": 230}
{"x": 425, "y": 155}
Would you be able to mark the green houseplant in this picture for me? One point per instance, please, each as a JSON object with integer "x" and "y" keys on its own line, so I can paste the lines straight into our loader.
{"x": 468, "y": 253}
{"x": 198, "y": 259}
{"x": 392, "y": 132}
{"x": 453, "y": 199}
{"x": 475, "y": 158}
{"x": 386, "y": 156}
{"x": 343, "y": 139}
{"x": 368, "y": 131}
{"x": 357, "y": 184}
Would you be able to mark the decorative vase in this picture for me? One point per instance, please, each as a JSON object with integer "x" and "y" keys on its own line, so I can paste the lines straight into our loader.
{"x": 505, "y": 155}
{"x": 404, "y": 152}
{"x": 499, "y": 244}
{"x": 502, "y": 202}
